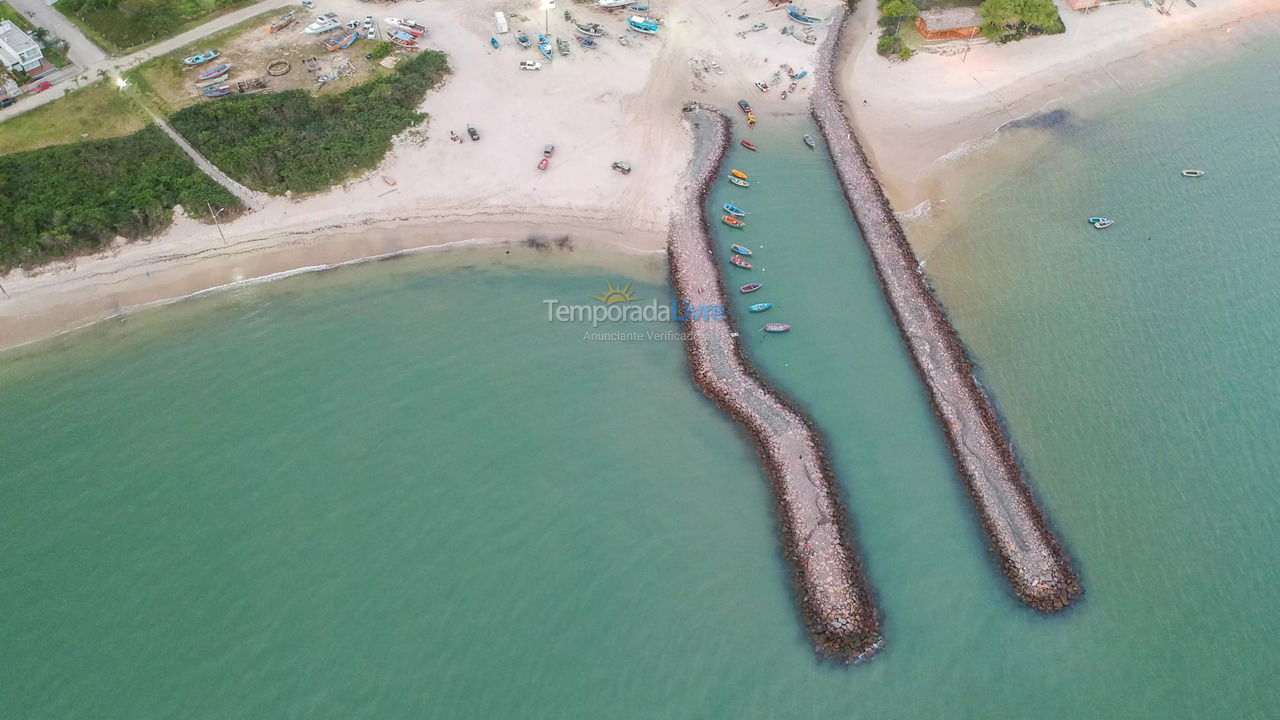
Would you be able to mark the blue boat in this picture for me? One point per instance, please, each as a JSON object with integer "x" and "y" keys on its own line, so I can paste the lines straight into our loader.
{"x": 740, "y": 249}
{"x": 544, "y": 46}
{"x": 642, "y": 25}
{"x": 799, "y": 16}
{"x": 734, "y": 210}
{"x": 202, "y": 58}
{"x": 217, "y": 91}
{"x": 800, "y": 75}
{"x": 523, "y": 40}
{"x": 494, "y": 43}
{"x": 760, "y": 307}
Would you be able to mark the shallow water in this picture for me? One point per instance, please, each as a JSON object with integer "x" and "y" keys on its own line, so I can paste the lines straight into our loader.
{"x": 390, "y": 491}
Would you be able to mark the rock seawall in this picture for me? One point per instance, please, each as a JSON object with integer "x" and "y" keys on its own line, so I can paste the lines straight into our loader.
{"x": 832, "y": 594}
{"x": 1035, "y": 563}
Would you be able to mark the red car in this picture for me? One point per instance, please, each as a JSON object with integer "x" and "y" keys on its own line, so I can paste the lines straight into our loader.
{"x": 44, "y": 85}
{"x": 543, "y": 163}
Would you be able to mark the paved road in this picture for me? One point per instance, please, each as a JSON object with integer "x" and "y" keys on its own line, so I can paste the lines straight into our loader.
{"x": 90, "y": 59}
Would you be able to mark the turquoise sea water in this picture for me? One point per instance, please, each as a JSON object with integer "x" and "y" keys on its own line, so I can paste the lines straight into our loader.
{"x": 397, "y": 492}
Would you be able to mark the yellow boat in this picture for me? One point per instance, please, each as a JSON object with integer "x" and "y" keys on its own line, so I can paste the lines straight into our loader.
{"x": 751, "y": 119}
{"x": 738, "y": 174}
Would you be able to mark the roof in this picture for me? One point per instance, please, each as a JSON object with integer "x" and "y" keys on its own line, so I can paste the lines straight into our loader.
{"x": 938, "y": 19}
{"x": 12, "y": 36}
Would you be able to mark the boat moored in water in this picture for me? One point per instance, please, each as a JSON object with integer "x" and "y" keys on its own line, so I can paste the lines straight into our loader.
{"x": 732, "y": 221}
{"x": 741, "y": 250}
{"x": 744, "y": 107}
{"x": 776, "y": 328}
{"x": 760, "y": 307}
{"x": 737, "y": 260}
{"x": 738, "y": 174}
{"x": 734, "y": 210}
{"x": 808, "y": 140}
{"x": 1192, "y": 173}
{"x": 750, "y": 288}
{"x": 739, "y": 182}
{"x": 1101, "y": 223}
{"x": 748, "y": 145}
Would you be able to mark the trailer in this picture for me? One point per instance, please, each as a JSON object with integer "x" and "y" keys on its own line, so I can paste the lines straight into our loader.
{"x": 501, "y": 19}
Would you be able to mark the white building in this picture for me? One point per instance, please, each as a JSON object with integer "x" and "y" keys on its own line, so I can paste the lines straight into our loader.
{"x": 17, "y": 50}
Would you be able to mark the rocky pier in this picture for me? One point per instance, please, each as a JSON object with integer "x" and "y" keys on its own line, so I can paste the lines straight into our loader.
{"x": 1037, "y": 566}
{"x": 833, "y": 597}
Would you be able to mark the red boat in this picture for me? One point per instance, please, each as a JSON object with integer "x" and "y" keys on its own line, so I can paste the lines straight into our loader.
{"x": 750, "y": 288}
{"x": 737, "y": 260}
{"x": 748, "y": 145}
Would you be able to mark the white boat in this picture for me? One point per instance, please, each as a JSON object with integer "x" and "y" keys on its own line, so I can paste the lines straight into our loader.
{"x": 1192, "y": 173}
{"x": 609, "y": 4}
{"x": 643, "y": 25}
{"x": 323, "y": 24}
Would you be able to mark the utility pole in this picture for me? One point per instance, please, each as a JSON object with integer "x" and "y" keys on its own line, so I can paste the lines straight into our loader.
{"x": 215, "y": 221}
{"x": 547, "y": 7}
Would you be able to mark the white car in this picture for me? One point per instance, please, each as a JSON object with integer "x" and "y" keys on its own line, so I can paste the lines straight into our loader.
{"x": 528, "y": 65}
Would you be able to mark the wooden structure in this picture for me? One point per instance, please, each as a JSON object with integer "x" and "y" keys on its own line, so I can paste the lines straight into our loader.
{"x": 960, "y": 23}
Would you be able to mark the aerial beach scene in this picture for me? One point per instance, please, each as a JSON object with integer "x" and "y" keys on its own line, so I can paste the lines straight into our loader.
{"x": 736, "y": 358}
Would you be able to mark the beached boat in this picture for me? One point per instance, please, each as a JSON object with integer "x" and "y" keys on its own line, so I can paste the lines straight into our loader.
{"x": 586, "y": 42}
{"x": 642, "y": 25}
{"x": 750, "y": 288}
{"x": 737, "y": 260}
{"x": 739, "y": 182}
{"x": 214, "y": 72}
{"x": 408, "y": 26}
{"x": 202, "y": 58}
{"x": 799, "y": 16}
{"x": 738, "y": 174}
{"x": 748, "y": 145}
{"x": 544, "y": 47}
{"x": 403, "y": 39}
{"x": 760, "y": 307}
{"x": 1192, "y": 173}
{"x": 732, "y": 221}
{"x": 746, "y": 109}
{"x": 800, "y": 75}
{"x": 523, "y": 40}
{"x": 734, "y": 210}
{"x": 217, "y": 91}
{"x": 741, "y": 250}
{"x": 323, "y": 24}
{"x": 762, "y": 87}
{"x": 494, "y": 43}
{"x": 563, "y": 47}
{"x": 281, "y": 23}
{"x": 610, "y": 4}
{"x": 808, "y": 140}
{"x": 592, "y": 29}
{"x": 341, "y": 43}
{"x": 776, "y": 328}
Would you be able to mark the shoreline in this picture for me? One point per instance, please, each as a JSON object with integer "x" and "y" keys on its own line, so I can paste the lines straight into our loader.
{"x": 917, "y": 117}
{"x": 1037, "y": 566}
{"x": 831, "y": 591}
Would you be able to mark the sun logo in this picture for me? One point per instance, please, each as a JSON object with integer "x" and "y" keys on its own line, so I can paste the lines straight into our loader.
{"x": 613, "y": 295}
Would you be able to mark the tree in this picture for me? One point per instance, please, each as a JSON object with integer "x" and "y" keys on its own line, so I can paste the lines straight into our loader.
{"x": 900, "y": 10}
{"x": 1016, "y": 17}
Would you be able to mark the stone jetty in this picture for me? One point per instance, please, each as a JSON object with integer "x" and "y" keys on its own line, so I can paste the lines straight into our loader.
{"x": 832, "y": 594}
{"x": 1038, "y": 568}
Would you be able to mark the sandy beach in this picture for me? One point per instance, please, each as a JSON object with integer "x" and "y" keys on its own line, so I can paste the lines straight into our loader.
{"x": 615, "y": 103}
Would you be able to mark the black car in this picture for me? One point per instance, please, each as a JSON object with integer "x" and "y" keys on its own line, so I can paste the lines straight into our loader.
{"x": 475, "y": 134}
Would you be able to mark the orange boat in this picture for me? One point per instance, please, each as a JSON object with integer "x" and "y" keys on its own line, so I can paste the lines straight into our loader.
{"x": 738, "y": 174}
{"x": 732, "y": 221}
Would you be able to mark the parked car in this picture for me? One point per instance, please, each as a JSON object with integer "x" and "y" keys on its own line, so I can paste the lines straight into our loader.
{"x": 622, "y": 167}
{"x": 530, "y": 65}
{"x": 548, "y": 151}
{"x": 475, "y": 134}
{"x": 44, "y": 85}
{"x": 5, "y": 101}
{"x": 308, "y": 4}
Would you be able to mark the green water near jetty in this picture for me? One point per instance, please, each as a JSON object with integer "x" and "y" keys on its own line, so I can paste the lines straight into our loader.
{"x": 395, "y": 492}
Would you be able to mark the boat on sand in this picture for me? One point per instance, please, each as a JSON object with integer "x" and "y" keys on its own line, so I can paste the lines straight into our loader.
{"x": 281, "y": 23}
{"x": 202, "y": 58}
{"x": 642, "y": 25}
{"x": 799, "y": 16}
{"x": 544, "y": 47}
{"x": 214, "y": 72}
{"x": 523, "y": 40}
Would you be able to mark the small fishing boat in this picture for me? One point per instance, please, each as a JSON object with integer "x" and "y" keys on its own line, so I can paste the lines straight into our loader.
{"x": 746, "y": 109}
{"x": 610, "y": 4}
{"x": 750, "y": 288}
{"x": 799, "y": 16}
{"x": 638, "y": 8}
{"x": 734, "y": 210}
{"x": 403, "y": 39}
{"x": 738, "y": 174}
{"x": 762, "y": 87}
{"x": 341, "y": 43}
{"x": 494, "y": 43}
{"x": 642, "y": 25}
{"x": 202, "y": 58}
{"x": 586, "y": 42}
{"x": 760, "y": 307}
{"x": 523, "y": 40}
{"x": 592, "y": 29}
{"x": 739, "y": 182}
{"x": 748, "y": 145}
{"x": 800, "y": 75}
{"x": 751, "y": 119}
{"x": 281, "y": 23}
{"x": 1192, "y": 173}
{"x": 214, "y": 72}
{"x": 776, "y": 328}
{"x": 323, "y": 24}
{"x": 1101, "y": 223}
{"x": 808, "y": 140}
{"x": 564, "y": 47}
{"x": 737, "y": 260}
{"x": 217, "y": 91}
{"x": 732, "y": 221}
{"x": 544, "y": 46}
{"x": 408, "y": 26}
{"x": 740, "y": 249}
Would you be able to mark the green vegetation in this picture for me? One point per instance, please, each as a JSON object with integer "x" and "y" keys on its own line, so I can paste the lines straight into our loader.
{"x": 121, "y": 25}
{"x": 1008, "y": 20}
{"x": 381, "y": 50}
{"x": 96, "y": 112}
{"x": 294, "y": 141}
{"x": 893, "y": 13}
{"x": 9, "y": 12}
{"x": 69, "y": 198}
